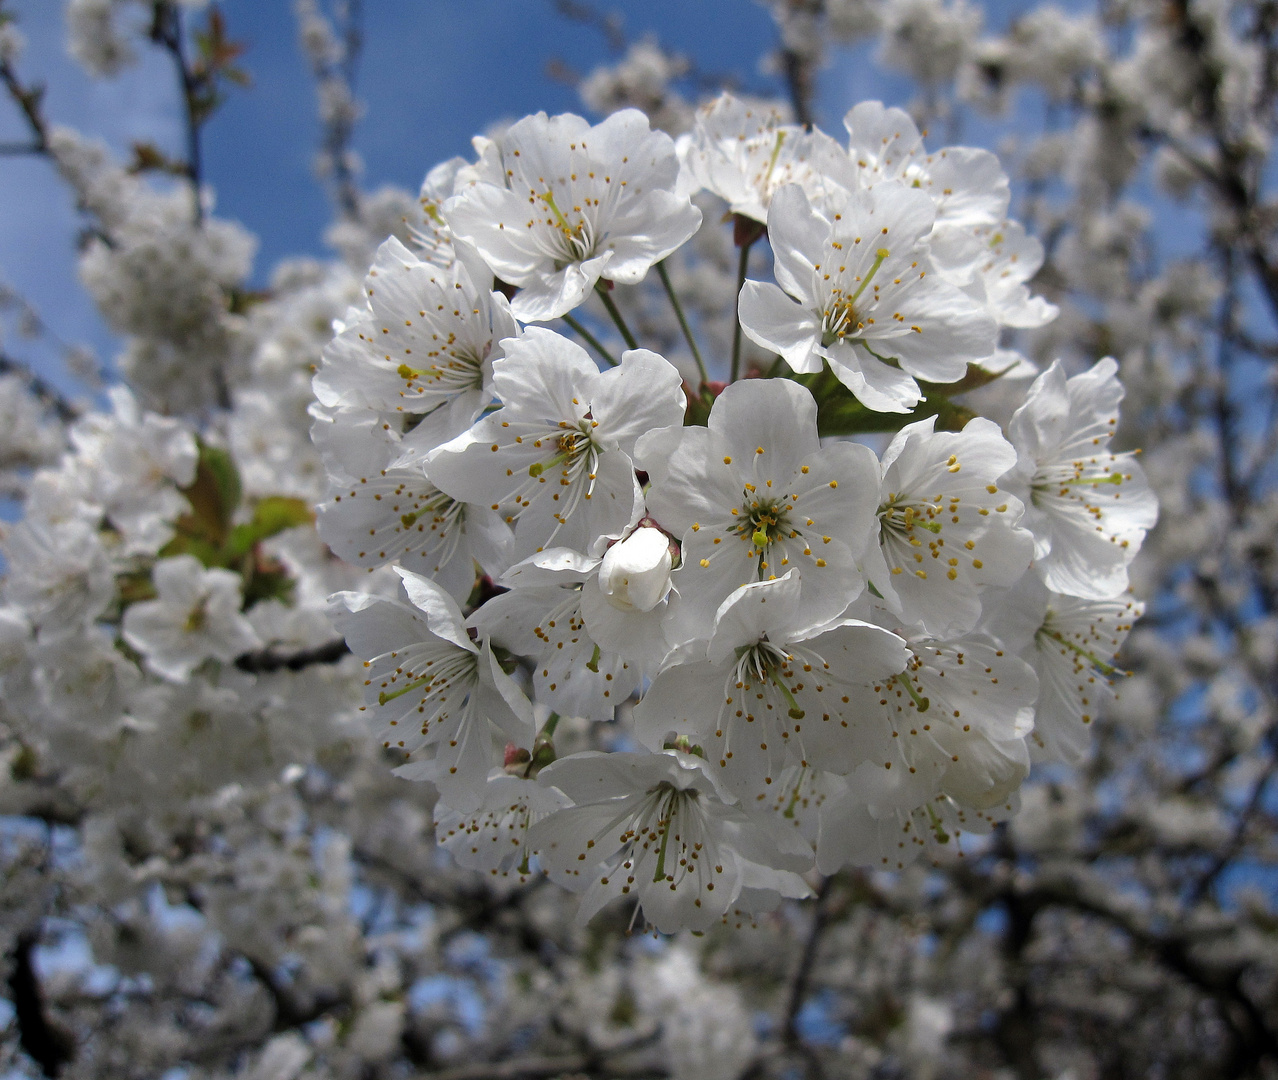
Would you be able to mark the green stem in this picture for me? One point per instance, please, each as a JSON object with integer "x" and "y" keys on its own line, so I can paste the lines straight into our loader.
{"x": 543, "y": 748}
{"x": 743, "y": 264}
{"x": 1089, "y": 481}
{"x": 1092, "y": 658}
{"x": 907, "y": 684}
{"x": 795, "y": 712}
{"x": 608, "y": 302}
{"x": 938, "y": 826}
{"x": 683, "y": 322}
{"x": 665, "y": 839}
{"x": 552, "y": 721}
{"x": 590, "y": 340}
{"x": 910, "y": 518}
{"x": 879, "y": 256}
{"x": 772, "y": 161}
{"x": 889, "y": 360}
{"x": 416, "y": 684}
{"x": 794, "y": 796}
{"x": 548, "y": 198}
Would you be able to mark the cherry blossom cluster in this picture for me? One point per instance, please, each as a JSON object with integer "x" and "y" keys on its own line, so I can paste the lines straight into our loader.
{"x": 797, "y": 652}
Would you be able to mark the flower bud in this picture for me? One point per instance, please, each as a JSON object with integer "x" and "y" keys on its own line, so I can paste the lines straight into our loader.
{"x": 635, "y": 573}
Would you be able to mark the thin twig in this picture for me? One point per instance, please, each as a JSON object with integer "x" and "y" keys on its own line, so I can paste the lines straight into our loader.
{"x": 46, "y": 393}
{"x": 167, "y": 32}
{"x": 611, "y": 305}
{"x": 609, "y": 25}
{"x": 28, "y": 99}
{"x": 802, "y": 977}
{"x": 1233, "y": 848}
{"x": 590, "y": 340}
{"x": 743, "y": 265}
{"x": 797, "y": 66}
{"x": 683, "y": 322}
{"x": 339, "y": 126}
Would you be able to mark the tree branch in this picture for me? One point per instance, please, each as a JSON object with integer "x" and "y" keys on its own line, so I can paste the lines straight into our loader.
{"x": 535, "y": 1066}
{"x": 47, "y": 1046}
{"x": 268, "y": 661}
{"x": 610, "y": 25}
{"x": 798, "y": 65}
{"x": 166, "y": 31}
{"x": 28, "y": 100}
{"x": 47, "y": 394}
{"x": 339, "y": 123}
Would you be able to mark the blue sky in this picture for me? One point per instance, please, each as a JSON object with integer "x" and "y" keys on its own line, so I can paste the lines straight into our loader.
{"x": 434, "y": 72}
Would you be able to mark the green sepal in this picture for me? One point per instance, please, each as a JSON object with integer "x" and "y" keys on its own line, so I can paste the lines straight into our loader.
{"x": 839, "y": 412}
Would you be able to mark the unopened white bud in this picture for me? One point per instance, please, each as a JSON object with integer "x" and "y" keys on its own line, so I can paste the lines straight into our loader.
{"x": 635, "y": 573}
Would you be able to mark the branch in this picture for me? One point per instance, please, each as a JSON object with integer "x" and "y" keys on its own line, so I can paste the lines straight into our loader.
{"x": 1228, "y": 177}
{"x": 47, "y": 1046}
{"x": 534, "y": 1066}
{"x": 798, "y": 66}
{"x": 339, "y": 123}
{"x": 166, "y": 31}
{"x": 28, "y": 100}
{"x": 610, "y": 25}
{"x": 803, "y": 976}
{"x": 518, "y": 1069}
{"x": 1173, "y": 951}
{"x": 803, "y": 973}
{"x": 47, "y": 394}
{"x": 1267, "y": 349}
{"x": 288, "y": 1013}
{"x": 268, "y": 661}
{"x": 1239, "y": 836}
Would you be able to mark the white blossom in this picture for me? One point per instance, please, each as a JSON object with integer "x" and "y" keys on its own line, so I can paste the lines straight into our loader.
{"x": 947, "y": 531}
{"x": 754, "y": 494}
{"x": 556, "y": 459}
{"x": 1088, "y": 507}
{"x": 683, "y": 853}
{"x": 195, "y": 617}
{"x": 569, "y": 204}
{"x": 745, "y": 152}
{"x": 854, "y": 290}
{"x": 423, "y": 358}
{"x": 494, "y": 836}
{"x": 433, "y": 687}
{"x": 768, "y": 692}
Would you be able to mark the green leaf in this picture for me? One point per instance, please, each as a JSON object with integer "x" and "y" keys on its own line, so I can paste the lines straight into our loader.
{"x": 225, "y": 475}
{"x": 271, "y": 515}
{"x": 839, "y": 412}
{"x": 214, "y": 496}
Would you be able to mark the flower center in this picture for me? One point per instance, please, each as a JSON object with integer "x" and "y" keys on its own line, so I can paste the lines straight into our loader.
{"x": 576, "y": 242}
{"x": 1072, "y": 480}
{"x": 765, "y": 521}
{"x": 841, "y": 317}
{"x": 762, "y": 664}
{"x": 902, "y": 518}
{"x": 1085, "y": 656}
